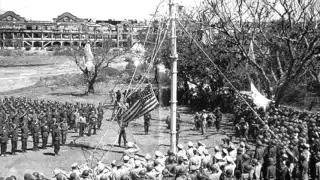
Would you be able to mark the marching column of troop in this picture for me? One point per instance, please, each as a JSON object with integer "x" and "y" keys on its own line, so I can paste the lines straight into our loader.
{"x": 23, "y": 117}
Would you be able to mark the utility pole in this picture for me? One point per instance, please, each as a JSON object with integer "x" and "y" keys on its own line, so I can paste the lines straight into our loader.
{"x": 174, "y": 71}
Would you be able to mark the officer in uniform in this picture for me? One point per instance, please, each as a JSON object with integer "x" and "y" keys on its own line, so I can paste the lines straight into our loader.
{"x": 82, "y": 123}
{"x": 122, "y": 133}
{"x": 53, "y": 126}
{"x": 100, "y": 115}
{"x": 57, "y": 138}
{"x": 118, "y": 96}
{"x": 147, "y": 118}
{"x": 44, "y": 136}
{"x": 64, "y": 132}
{"x": 218, "y": 116}
{"x": 14, "y": 139}
{"x": 204, "y": 122}
{"x": 4, "y": 140}
{"x": 178, "y": 128}
{"x": 24, "y": 136}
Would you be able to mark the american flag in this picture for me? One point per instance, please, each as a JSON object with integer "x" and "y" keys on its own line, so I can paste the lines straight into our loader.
{"x": 147, "y": 102}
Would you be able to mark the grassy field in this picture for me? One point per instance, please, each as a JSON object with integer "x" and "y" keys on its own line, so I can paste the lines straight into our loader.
{"x": 32, "y": 60}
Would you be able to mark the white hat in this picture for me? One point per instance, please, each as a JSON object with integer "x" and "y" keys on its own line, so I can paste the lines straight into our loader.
{"x": 100, "y": 166}
{"x": 147, "y": 156}
{"x": 216, "y": 148}
{"x": 56, "y": 172}
{"x": 180, "y": 146}
{"x": 205, "y": 152}
{"x": 130, "y": 144}
{"x": 190, "y": 144}
{"x": 218, "y": 156}
{"x": 137, "y": 163}
{"x": 113, "y": 162}
{"x": 242, "y": 144}
{"x": 225, "y": 151}
{"x": 126, "y": 158}
{"x": 74, "y": 165}
{"x": 229, "y": 159}
{"x": 158, "y": 153}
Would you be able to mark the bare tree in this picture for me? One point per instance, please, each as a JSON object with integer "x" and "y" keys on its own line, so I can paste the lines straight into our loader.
{"x": 284, "y": 35}
{"x": 103, "y": 56}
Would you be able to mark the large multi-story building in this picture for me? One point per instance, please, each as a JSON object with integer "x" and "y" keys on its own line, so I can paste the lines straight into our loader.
{"x": 65, "y": 30}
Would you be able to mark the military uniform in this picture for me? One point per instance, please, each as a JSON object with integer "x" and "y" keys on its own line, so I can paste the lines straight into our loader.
{"x": 4, "y": 141}
{"x": 24, "y": 137}
{"x": 14, "y": 139}
{"x": 44, "y": 136}
{"x": 57, "y": 139}
{"x": 218, "y": 116}
{"x": 122, "y": 133}
{"x": 100, "y": 115}
{"x": 64, "y": 132}
{"x": 36, "y": 134}
{"x": 147, "y": 119}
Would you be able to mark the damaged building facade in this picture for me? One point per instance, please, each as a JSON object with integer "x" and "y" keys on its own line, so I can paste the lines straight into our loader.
{"x": 65, "y": 30}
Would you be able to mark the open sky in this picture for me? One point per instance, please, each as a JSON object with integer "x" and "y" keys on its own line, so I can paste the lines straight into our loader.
{"x": 46, "y": 10}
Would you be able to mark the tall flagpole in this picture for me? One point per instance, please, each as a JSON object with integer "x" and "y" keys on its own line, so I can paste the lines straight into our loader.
{"x": 174, "y": 71}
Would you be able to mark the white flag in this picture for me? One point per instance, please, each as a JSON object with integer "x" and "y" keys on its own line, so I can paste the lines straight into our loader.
{"x": 258, "y": 98}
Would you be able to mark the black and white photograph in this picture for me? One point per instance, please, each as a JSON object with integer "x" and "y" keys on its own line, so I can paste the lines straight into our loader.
{"x": 160, "y": 90}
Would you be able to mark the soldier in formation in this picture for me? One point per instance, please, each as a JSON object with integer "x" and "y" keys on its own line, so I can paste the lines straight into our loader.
{"x": 23, "y": 117}
{"x": 147, "y": 118}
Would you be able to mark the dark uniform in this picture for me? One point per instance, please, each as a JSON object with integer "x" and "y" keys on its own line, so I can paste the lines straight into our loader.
{"x": 122, "y": 134}
{"x": 118, "y": 95}
{"x": 147, "y": 118}
{"x": 218, "y": 115}
{"x": 100, "y": 115}
{"x": 36, "y": 134}
{"x": 44, "y": 136}
{"x": 4, "y": 141}
{"x": 24, "y": 137}
{"x": 14, "y": 139}
{"x": 57, "y": 138}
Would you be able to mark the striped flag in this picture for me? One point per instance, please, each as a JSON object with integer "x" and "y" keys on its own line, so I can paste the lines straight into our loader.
{"x": 147, "y": 102}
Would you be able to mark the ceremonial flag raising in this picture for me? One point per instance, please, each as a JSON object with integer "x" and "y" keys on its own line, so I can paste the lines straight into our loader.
{"x": 147, "y": 102}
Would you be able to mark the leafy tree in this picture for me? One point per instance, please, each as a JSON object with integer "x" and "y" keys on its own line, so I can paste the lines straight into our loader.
{"x": 284, "y": 34}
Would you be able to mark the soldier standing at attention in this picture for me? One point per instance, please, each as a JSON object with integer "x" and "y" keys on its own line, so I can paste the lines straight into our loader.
{"x": 147, "y": 118}
{"x": 204, "y": 121}
{"x": 100, "y": 115}
{"x": 36, "y": 134}
{"x": 54, "y": 121}
{"x": 218, "y": 115}
{"x": 118, "y": 96}
{"x": 4, "y": 140}
{"x": 64, "y": 132}
{"x": 82, "y": 122}
{"x": 122, "y": 133}
{"x": 24, "y": 136}
{"x": 94, "y": 124}
{"x": 57, "y": 138}
{"x": 14, "y": 139}
{"x": 45, "y": 134}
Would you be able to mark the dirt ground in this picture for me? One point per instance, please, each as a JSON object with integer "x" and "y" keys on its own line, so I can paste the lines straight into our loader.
{"x": 80, "y": 151}
{"x": 17, "y": 79}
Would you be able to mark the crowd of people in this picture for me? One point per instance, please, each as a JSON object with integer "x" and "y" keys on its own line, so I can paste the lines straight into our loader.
{"x": 277, "y": 144}
{"x": 23, "y": 117}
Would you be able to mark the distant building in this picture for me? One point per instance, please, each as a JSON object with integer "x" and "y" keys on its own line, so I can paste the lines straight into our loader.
{"x": 65, "y": 30}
